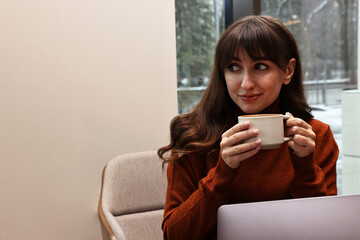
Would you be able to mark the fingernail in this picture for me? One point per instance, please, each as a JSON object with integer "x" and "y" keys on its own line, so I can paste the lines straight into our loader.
{"x": 255, "y": 131}
{"x": 258, "y": 141}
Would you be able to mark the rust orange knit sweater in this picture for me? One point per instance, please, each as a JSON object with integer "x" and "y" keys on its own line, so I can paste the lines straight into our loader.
{"x": 197, "y": 186}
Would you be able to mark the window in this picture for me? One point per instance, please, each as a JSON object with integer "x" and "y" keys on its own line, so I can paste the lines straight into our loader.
{"x": 198, "y": 26}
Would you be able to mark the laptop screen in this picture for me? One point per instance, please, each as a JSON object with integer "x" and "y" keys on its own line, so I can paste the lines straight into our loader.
{"x": 332, "y": 217}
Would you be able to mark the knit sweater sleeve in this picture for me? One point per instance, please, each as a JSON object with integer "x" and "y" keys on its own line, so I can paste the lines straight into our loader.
{"x": 191, "y": 201}
{"x": 315, "y": 175}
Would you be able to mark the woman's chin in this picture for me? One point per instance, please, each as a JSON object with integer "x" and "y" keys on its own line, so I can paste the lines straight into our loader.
{"x": 250, "y": 111}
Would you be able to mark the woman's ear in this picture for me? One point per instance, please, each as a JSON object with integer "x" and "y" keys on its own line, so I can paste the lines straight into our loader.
{"x": 289, "y": 72}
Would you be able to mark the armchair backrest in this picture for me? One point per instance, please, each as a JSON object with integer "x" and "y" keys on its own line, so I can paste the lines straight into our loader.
{"x": 133, "y": 196}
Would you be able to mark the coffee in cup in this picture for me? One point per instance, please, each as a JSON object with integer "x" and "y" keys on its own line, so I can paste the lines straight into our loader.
{"x": 271, "y": 129}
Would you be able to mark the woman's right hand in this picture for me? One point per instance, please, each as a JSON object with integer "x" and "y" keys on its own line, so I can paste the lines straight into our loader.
{"x": 234, "y": 149}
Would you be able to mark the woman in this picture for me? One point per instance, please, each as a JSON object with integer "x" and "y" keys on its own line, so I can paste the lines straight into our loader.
{"x": 257, "y": 69}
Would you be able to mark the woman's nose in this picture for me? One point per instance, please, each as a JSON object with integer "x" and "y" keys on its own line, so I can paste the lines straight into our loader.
{"x": 247, "y": 82}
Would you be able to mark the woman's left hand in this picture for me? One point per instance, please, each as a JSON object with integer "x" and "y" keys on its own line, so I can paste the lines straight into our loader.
{"x": 303, "y": 141}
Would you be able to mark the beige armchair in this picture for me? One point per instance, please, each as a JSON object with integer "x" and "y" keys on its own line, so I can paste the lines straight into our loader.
{"x": 132, "y": 197}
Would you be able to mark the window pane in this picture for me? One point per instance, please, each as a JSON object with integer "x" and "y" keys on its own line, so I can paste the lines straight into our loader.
{"x": 327, "y": 47}
{"x": 198, "y": 26}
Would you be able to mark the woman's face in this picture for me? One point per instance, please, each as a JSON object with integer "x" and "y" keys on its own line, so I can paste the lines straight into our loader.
{"x": 255, "y": 85}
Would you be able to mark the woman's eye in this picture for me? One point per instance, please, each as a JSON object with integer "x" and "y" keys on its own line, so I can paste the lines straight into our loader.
{"x": 233, "y": 68}
{"x": 261, "y": 66}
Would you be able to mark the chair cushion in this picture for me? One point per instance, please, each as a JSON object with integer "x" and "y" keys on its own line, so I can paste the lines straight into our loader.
{"x": 138, "y": 225}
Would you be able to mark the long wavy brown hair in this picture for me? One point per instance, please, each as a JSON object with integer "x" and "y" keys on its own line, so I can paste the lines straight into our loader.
{"x": 200, "y": 130}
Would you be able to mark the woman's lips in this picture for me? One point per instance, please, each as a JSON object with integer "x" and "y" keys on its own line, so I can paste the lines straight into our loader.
{"x": 249, "y": 97}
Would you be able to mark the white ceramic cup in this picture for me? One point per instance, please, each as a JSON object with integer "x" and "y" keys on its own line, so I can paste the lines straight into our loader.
{"x": 271, "y": 129}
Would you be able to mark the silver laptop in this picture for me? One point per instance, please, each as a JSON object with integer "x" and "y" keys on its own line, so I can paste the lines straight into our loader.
{"x": 333, "y": 217}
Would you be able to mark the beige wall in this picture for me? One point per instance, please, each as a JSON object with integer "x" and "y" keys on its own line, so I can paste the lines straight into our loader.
{"x": 80, "y": 82}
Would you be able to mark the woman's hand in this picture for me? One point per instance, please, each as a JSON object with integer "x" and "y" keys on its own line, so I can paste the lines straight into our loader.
{"x": 232, "y": 146}
{"x": 303, "y": 141}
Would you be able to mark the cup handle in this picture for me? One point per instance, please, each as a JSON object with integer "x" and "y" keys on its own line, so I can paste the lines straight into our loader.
{"x": 286, "y": 117}
{"x": 288, "y": 138}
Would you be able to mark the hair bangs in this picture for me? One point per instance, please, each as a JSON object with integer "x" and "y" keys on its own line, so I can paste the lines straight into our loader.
{"x": 258, "y": 40}
{"x": 261, "y": 41}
